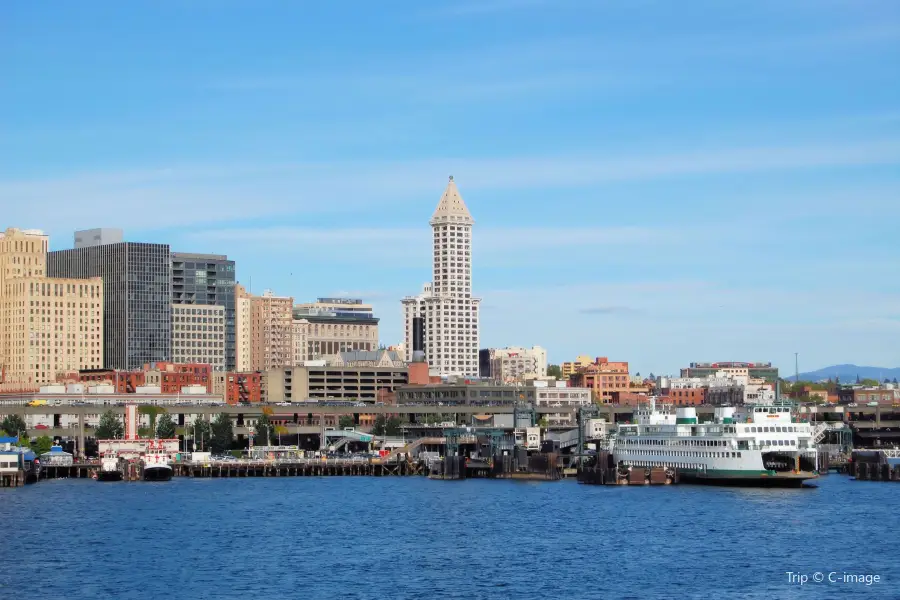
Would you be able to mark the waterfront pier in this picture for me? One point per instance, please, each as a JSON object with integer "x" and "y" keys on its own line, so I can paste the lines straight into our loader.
{"x": 300, "y": 468}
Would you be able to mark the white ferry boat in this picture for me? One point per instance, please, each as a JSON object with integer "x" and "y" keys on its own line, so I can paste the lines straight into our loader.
{"x": 751, "y": 445}
{"x": 156, "y": 466}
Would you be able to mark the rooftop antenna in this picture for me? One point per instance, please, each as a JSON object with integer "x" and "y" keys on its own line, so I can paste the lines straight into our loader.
{"x": 796, "y": 367}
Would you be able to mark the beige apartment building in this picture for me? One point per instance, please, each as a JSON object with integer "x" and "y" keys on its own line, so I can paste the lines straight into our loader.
{"x": 570, "y": 368}
{"x": 271, "y": 331}
{"x": 332, "y": 325}
{"x": 243, "y": 334}
{"x": 47, "y": 325}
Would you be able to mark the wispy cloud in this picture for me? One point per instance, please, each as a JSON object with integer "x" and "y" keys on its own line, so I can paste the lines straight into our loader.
{"x": 493, "y": 246}
{"x": 608, "y": 310}
{"x": 693, "y": 320}
{"x": 184, "y": 196}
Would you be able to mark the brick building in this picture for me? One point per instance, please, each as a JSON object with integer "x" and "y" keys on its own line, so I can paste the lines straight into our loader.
{"x": 603, "y": 377}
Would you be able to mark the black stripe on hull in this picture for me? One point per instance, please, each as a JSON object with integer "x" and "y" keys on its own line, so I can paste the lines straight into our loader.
{"x": 157, "y": 474}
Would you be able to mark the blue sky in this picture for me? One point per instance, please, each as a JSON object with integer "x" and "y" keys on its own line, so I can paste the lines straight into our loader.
{"x": 653, "y": 181}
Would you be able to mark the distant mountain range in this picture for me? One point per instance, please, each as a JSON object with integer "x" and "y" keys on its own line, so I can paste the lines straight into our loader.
{"x": 847, "y": 373}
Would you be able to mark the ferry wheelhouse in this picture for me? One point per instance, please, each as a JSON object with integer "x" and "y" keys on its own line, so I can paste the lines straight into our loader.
{"x": 751, "y": 445}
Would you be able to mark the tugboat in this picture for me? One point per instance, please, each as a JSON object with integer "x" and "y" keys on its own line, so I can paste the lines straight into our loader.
{"x": 109, "y": 468}
{"x": 156, "y": 465}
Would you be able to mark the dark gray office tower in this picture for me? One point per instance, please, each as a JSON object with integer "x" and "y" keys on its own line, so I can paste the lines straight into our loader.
{"x": 207, "y": 279}
{"x": 137, "y": 304}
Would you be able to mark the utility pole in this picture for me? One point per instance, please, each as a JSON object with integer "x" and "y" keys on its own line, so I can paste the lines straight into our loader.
{"x": 796, "y": 367}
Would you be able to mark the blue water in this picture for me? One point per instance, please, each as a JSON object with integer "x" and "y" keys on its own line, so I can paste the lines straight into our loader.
{"x": 397, "y": 538}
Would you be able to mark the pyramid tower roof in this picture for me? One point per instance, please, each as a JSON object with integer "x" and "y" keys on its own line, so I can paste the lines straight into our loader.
{"x": 451, "y": 208}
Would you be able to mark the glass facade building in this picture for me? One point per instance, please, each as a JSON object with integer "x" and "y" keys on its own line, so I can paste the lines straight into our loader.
{"x": 137, "y": 298}
{"x": 207, "y": 280}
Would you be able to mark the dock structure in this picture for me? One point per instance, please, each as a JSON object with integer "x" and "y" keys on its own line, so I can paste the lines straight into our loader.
{"x": 300, "y": 468}
{"x": 601, "y": 469}
{"x": 875, "y": 465}
{"x": 12, "y": 478}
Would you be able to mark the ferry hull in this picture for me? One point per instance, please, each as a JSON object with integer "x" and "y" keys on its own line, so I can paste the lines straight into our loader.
{"x": 109, "y": 476}
{"x": 779, "y": 480}
{"x": 157, "y": 473}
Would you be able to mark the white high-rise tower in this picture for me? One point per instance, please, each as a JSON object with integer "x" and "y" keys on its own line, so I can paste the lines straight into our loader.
{"x": 450, "y": 312}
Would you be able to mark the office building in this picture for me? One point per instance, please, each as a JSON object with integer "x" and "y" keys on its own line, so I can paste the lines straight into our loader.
{"x": 446, "y": 303}
{"x": 98, "y": 237}
{"x": 208, "y": 280}
{"x": 198, "y": 335}
{"x": 137, "y": 296}
{"x": 332, "y": 325}
{"x": 47, "y": 325}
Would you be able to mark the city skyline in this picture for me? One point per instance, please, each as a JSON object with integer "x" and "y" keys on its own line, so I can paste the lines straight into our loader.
{"x": 642, "y": 193}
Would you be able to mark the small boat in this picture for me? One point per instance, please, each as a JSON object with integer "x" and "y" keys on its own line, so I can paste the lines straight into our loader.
{"x": 156, "y": 466}
{"x": 109, "y": 468}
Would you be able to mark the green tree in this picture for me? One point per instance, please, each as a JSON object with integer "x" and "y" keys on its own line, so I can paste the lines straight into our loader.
{"x": 870, "y": 382}
{"x": 386, "y": 426}
{"x": 554, "y": 371}
{"x": 42, "y": 444}
{"x": 346, "y": 421}
{"x": 264, "y": 431}
{"x": 13, "y": 425}
{"x": 200, "y": 432}
{"x": 165, "y": 427}
{"x": 110, "y": 427}
{"x": 543, "y": 423}
{"x": 393, "y": 426}
{"x": 152, "y": 411}
{"x": 221, "y": 434}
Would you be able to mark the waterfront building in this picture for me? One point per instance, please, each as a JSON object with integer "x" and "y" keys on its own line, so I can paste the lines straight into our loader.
{"x": 330, "y": 326}
{"x": 199, "y": 334}
{"x": 476, "y": 393}
{"x": 357, "y": 376}
{"x": 137, "y": 311}
{"x": 570, "y": 368}
{"x": 884, "y": 395}
{"x": 47, "y": 325}
{"x": 603, "y": 377}
{"x": 271, "y": 336}
{"x": 558, "y": 393}
{"x": 447, "y": 304}
{"x": 207, "y": 280}
{"x": 243, "y": 333}
{"x": 762, "y": 370}
{"x": 515, "y": 364}
{"x": 725, "y": 387}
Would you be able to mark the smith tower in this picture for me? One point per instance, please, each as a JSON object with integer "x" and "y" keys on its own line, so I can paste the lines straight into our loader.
{"x": 449, "y": 311}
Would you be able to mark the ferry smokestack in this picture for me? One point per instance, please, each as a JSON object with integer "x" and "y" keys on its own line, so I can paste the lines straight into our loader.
{"x": 418, "y": 339}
